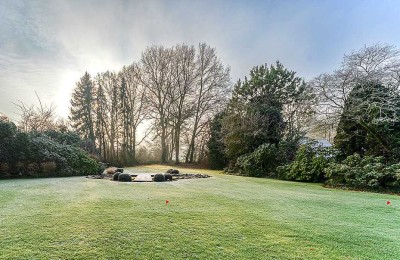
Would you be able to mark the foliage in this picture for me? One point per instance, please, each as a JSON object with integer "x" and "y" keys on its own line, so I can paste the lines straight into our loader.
{"x": 377, "y": 63}
{"x": 64, "y": 137}
{"x": 264, "y": 109}
{"x": 259, "y": 163}
{"x": 366, "y": 172}
{"x": 124, "y": 177}
{"x": 159, "y": 177}
{"x": 216, "y": 148}
{"x": 35, "y": 154}
{"x": 115, "y": 176}
{"x": 33, "y": 169}
{"x": 4, "y": 170}
{"x": 264, "y": 160}
{"x": 81, "y": 109}
{"x": 370, "y": 122}
{"x": 308, "y": 165}
{"x": 176, "y": 90}
{"x": 48, "y": 167}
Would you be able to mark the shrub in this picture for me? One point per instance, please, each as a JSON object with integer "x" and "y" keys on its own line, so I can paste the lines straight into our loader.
{"x": 33, "y": 169}
{"x": 4, "y": 170}
{"x": 368, "y": 172}
{"x": 115, "y": 176}
{"x": 48, "y": 168}
{"x": 159, "y": 177}
{"x": 309, "y": 164}
{"x": 4, "y": 167}
{"x": 168, "y": 177}
{"x": 71, "y": 160}
{"x": 125, "y": 177}
{"x": 26, "y": 152}
{"x": 20, "y": 167}
{"x": 261, "y": 162}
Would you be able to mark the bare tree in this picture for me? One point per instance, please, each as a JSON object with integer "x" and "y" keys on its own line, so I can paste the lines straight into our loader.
{"x": 184, "y": 76}
{"x": 36, "y": 117}
{"x": 379, "y": 64}
{"x": 107, "y": 113}
{"x": 156, "y": 77}
{"x": 212, "y": 89}
{"x": 133, "y": 109}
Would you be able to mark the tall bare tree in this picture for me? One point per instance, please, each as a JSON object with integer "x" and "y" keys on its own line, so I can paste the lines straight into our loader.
{"x": 133, "y": 110}
{"x": 378, "y": 63}
{"x": 156, "y": 77}
{"x": 184, "y": 76}
{"x": 212, "y": 88}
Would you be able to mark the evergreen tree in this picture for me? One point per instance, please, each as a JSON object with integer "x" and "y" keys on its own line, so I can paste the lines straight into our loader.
{"x": 81, "y": 111}
{"x": 256, "y": 112}
{"x": 216, "y": 149}
{"x": 370, "y": 121}
{"x": 101, "y": 119}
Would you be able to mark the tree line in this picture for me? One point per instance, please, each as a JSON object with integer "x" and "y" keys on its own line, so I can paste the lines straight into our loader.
{"x": 174, "y": 92}
{"x": 266, "y": 129}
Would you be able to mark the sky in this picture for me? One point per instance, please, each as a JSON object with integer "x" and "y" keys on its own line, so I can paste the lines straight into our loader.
{"x": 47, "y": 45}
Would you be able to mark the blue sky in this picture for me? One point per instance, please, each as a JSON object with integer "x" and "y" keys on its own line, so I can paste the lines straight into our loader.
{"x": 46, "y": 46}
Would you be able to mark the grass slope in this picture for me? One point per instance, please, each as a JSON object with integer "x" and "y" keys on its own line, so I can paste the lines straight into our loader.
{"x": 220, "y": 217}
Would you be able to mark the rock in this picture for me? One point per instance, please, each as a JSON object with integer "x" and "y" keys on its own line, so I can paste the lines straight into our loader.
{"x": 174, "y": 171}
{"x": 168, "y": 177}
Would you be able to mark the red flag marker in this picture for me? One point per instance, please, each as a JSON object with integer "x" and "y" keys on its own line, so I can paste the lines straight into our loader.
{"x": 388, "y": 202}
{"x": 166, "y": 202}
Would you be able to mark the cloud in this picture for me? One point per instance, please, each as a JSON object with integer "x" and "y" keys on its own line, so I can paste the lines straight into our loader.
{"x": 45, "y": 46}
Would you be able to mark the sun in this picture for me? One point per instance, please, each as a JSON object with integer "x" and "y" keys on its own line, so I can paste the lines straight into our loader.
{"x": 65, "y": 87}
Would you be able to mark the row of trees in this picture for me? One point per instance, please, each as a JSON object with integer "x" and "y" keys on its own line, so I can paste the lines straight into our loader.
{"x": 270, "y": 109}
{"x": 358, "y": 104}
{"x": 182, "y": 94}
{"x": 263, "y": 128}
{"x": 174, "y": 92}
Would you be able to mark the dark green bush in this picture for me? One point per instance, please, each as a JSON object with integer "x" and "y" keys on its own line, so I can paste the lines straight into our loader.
{"x": 261, "y": 162}
{"x": 309, "y": 164}
{"x": 371, "y": 173}
{"x": 25, "y": 154}
{"x": 48, "y": 168}
{"x": 33, "y": 169}
{"x": 125, "y": 177}
{"x": 4, "y": 170}
{"x": 115, "y": 176}
{"x": 168, "y": 177}
{"x": 159, "y": 177}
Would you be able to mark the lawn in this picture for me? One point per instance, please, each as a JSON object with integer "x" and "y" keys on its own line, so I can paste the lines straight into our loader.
{"x": 223, "y": 217}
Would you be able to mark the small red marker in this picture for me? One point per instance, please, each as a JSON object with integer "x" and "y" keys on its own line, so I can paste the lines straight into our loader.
{"x": 166, "y": 202}
{"x": 388, "y": 202}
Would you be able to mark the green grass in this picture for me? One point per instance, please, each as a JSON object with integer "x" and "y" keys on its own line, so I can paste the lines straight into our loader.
{"x": 223, "y": 217}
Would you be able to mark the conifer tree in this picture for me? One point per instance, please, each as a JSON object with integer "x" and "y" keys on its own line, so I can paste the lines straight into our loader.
{"x": 81, "y": 112}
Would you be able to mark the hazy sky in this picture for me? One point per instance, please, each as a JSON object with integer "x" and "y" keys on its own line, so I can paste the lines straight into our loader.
{"x": 46, "y": 46}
